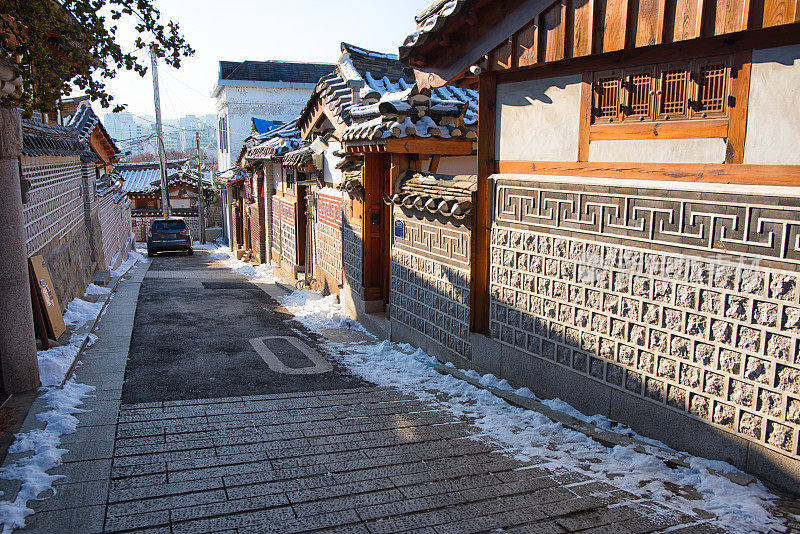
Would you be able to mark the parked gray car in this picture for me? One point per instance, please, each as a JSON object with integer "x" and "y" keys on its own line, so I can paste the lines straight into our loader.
{"x": 169, "y": 235}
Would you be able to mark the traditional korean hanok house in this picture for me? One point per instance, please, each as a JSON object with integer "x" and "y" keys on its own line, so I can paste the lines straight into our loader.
{"x": 369, "y": 111}
{"x": 637, "y": 211}
{"x": 270, "y": 199}
{"x": 141, "y": 182}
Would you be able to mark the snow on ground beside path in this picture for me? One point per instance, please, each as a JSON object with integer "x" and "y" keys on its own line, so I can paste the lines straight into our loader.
{"x": 79, "y": 312}
{"x": 530, "y": 436}
{"x": 133, "y": 258}
{"x": 94, "y": 289}
{"x": 260, "y": 273}
{"x": 61, "y": 403}
{"x": 207, "y": 246}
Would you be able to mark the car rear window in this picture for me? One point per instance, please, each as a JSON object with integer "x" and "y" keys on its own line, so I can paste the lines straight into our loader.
{"x": 168, "y": 226}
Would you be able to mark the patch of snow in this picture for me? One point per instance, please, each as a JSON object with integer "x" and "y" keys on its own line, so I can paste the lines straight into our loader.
{"x": 133, "y": 258}
{"x": 31, "y": 470}
{"x": 54, "y": 363}
{"x": 262, "y": 273}
{"x": 94, "y": 289}
{"x": 207, "y": 246}
{"x": 79, "y": 312}
{"x": 530, "y": 436}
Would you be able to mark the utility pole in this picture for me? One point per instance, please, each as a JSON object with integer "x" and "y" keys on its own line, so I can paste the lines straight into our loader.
{"x": 200, "y": 201}
{"x": 166, "y": 208}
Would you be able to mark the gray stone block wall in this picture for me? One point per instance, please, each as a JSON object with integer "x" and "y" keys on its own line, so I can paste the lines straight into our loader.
{"x": 430, "y": 280}
{"x": 685, "y": 296}
{"x": 352, "y": 252}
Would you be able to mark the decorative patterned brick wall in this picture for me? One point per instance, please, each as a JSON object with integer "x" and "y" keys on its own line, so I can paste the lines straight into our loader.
{"x": 352, "y": 253}
{"x": 276, "y": 224}
{"x": 430, "y": 280}
{"x": 288, "y": 232}
{"x": 328, "y": 246}
{"x": 685, "y": 296}
{"x": 115, "y": 227}
{"x": 55, "y": 222}
{"x": 54, "y": 207}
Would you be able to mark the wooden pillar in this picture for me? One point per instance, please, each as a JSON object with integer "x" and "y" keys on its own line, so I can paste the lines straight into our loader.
{"x": 482, "y": 211}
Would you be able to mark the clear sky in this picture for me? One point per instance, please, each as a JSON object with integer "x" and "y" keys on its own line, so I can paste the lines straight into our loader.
{"x": 235, "y": 30}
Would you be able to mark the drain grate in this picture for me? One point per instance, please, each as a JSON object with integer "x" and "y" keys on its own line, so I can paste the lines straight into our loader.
{"x": 227, "y": 285}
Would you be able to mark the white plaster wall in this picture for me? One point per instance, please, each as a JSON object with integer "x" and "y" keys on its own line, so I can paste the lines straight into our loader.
{"x": 240, "y": 104}
{"x": 458, "y": 165}
{"x": 538, "y": 120}
{"x": 773, "y": 109}
{"x": 659, "y": 151}
{"x": 330, "y": 172}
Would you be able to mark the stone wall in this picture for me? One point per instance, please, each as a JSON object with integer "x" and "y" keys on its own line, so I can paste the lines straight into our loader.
{"x": 352, "y": 254}
{"x": 681, "y": 295}
{"x": 55, "y": 225}
{"x": 430, "y": 283}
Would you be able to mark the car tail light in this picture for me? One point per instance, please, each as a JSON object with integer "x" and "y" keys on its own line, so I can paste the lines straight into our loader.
{"x": 185, "y": 232}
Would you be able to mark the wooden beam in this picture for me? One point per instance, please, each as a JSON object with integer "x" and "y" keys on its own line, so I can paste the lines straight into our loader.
{"x": 699, "y": 18}
{"x": 432, "y": 145}
{"x": 740, "y": 93}
{"x": 434, "y": 165}
{"x": 782, "y": 175}
{"x": 585, "y": 117}
{"x": 788, "y": 34}
{"x": 479, "y": 269}
{"x": 661, "y": 20}
{"x": 689, "y": 129}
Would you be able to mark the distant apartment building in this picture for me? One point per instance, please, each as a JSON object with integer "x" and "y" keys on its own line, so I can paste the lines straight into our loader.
{"x": 272, "y": 90}
{"x": 129, "y": 133}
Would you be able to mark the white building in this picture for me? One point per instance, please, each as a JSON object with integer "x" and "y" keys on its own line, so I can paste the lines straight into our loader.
{"x": 272, "y": 90}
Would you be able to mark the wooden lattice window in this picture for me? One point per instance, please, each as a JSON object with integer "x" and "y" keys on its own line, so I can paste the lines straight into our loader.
{"x": 673, "y": 92}
{"x": 693, "y": 90}
{"x": 607, "y": 97}
{"x": 638, "y": 94}
{"x": 712, "y": 88}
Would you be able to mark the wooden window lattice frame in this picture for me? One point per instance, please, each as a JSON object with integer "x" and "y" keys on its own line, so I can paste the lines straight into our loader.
{"x": 693, "y": 90}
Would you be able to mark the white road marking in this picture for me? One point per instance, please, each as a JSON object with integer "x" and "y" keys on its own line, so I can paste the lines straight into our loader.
{"x": 320, "y": 366}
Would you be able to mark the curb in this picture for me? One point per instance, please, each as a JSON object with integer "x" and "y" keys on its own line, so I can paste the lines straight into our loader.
{"x": 672, "y": 459}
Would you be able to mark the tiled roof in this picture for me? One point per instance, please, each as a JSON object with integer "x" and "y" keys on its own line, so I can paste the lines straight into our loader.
{"x": 145, "y": 178}
{"x": 388, "y": 103}
{"x": 450, "y": 196}
{"x": 42, "y": 139}
{"x": 430, "y": 21}
{"x": 299, "y": 157}
{"x": 273, "y": 71}
{"x": 85, "y": 120}
{"x": 273, "y": 144}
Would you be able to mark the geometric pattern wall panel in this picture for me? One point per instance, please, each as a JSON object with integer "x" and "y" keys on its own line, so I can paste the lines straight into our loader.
{"x": 702, "y": 219}
{"x": 54, "y": 207}
{"x": 430, "y": 280}
{"x": 715, "y": 336}
{"x": 352, "y": 251}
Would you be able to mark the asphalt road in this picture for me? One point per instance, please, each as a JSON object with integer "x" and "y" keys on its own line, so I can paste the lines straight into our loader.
{"x": 192, "y": 332}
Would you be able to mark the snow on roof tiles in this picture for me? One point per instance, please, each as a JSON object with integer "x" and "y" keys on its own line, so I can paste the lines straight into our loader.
{"x": 363, "y": 78}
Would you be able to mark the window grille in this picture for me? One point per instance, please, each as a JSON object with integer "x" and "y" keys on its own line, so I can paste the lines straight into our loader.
{"x": 712, "y": 88}
{"x": 673, "y": 91}
{"x": 607, "y": 97}
{"x": 693, "y": 90}
{"x": 639, "y": 94}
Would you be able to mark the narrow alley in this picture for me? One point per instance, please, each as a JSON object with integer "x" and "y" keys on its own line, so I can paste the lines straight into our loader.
{"x": 209, "y": 438}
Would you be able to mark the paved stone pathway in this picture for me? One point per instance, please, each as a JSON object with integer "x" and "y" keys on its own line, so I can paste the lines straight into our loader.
{"x": 359, "y": 459}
